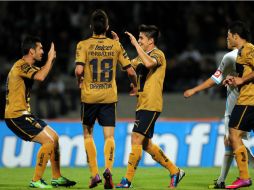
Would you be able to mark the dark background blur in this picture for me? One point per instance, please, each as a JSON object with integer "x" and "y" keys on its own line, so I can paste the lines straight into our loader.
{"x": 193, "y": 38}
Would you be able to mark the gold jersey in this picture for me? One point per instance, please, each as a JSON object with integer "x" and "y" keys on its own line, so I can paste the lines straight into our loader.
{"x": 18, "y": 87}
{"x": 150, "y": 82}
{"x": 99, "y": 56}
{"x": 244, "y": 66}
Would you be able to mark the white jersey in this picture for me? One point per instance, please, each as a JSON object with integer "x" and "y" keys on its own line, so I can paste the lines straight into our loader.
{"x": 227, "y": 67}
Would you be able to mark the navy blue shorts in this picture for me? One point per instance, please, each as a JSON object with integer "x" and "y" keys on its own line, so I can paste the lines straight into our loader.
{"x": 145, "y": 121}
{"x": 242, "y": 118}
{"x": 26, "y": 127}
{"x": 104, "y": 113}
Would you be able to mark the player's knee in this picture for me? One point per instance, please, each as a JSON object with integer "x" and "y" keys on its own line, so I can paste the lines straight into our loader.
{"x": 136, "y": 138}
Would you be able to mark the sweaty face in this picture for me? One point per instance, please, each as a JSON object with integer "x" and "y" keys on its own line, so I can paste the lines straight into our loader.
{"x": 38, "y": 52}
{"x": 143, "y": 41}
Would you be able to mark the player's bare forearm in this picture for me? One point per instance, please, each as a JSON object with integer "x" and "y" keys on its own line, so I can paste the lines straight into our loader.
{"x": 132, "y": 76}
{"x": 147, "y": 60}
{"x": 79, "y": 73}
{"x": 205, "y": 85}
{"x": 43, "y": 73}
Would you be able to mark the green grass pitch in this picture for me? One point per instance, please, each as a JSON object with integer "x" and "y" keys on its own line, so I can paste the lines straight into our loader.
{"x": 145, "y": 178}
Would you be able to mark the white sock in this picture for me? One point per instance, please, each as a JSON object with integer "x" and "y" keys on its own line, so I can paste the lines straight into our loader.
{"x": 227, "y": 161}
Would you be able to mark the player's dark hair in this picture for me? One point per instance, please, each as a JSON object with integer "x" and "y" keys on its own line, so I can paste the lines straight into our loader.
{"x": 99, "y": 22}
{"x": 240, "y": 28}
{"x": 28, "y": 43}
{"x": 151, "y": 31}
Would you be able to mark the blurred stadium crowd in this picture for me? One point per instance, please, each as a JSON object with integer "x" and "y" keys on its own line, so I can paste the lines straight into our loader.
{"x": 193, "y": 39}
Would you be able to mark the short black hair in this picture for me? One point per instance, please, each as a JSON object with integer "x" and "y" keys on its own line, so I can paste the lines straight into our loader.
{"x": 28, "y": 43}
{"x": 99, "y": 21}
{"x": 151, "y": 31}
{"x": 240, "y": 28}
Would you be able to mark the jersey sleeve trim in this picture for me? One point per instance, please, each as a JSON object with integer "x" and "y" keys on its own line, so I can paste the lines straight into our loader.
{"x": 32, "y": 77}
{"x": 80, "y": 63}
{"x": 126, "y": 67}
{"x": 215, "y": 79}
{"x": 157, "y": 62}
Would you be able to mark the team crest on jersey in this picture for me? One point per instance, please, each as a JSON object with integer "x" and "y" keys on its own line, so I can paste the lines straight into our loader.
{"x": 217, "y": 73}
{"x": 25, "y": 68}
{"x": 91, "y": 47}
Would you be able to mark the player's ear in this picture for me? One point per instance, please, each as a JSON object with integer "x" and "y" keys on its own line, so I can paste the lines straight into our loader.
{"x": 31, "y": 51}
{"x": 151, "y": 41}
{"x": 235, "y": 36}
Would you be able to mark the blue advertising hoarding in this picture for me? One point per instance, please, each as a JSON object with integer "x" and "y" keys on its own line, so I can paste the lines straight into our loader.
{"x": 187, "y": 143}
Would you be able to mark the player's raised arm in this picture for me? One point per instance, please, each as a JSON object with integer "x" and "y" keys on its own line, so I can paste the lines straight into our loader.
{"x": 43, "y": 73}
{"x": 148, "y": 61}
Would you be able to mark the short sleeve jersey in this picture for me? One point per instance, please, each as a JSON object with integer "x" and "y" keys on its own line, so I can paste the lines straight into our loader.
{"x": 227, "y": 67}
{"x": 18, "y": 87}
{"x": 150, "y": 82}
{"x": 99, "y": 56}
{"x": 244, "y": 66}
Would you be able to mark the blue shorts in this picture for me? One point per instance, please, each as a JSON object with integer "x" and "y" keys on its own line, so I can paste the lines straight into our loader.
{"x": 104, "y": 113}
{"x": 242, "y": 118}
{"x": 145, "y": 121}
{"x": 26, "y": 126}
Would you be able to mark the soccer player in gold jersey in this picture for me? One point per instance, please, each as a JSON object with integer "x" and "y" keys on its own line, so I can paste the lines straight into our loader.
{"x": 242, "y": 116}
{"x": 96, "y": 61}
{"x": 22, "y": 122}
{"x": 150, "y": 66}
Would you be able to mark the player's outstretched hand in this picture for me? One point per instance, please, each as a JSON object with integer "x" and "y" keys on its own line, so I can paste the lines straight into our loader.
{"x": 52, "y": 52}
{"x": 115, "y": 36}
{"x": 188, "y": 93}
{"x": 132, "y": 38}
{"x": 134, "y": 90}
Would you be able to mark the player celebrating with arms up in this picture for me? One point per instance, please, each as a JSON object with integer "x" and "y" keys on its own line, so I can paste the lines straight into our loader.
{"x": 18, "y": 115}
{"x": 150, "y": 66}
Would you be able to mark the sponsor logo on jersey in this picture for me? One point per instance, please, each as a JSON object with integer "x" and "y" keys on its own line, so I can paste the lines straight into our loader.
{"x": 103, "y": 47}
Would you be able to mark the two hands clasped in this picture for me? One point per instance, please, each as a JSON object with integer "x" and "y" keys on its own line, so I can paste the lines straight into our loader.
{"x": 233, "y": 81}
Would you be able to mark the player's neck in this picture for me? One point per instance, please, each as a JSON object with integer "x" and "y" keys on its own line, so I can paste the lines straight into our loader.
{"x": 150, "y": 48}
{"x": 99, "y": 35}
{"x": 28, "y": 59}
{"x": 241, "y": 43}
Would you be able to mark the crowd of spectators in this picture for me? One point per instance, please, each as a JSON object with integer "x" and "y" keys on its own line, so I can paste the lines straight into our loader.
{"x": 193, "y": 36}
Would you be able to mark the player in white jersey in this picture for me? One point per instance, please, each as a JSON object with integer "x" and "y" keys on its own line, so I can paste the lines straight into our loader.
{"x": 226, "y": 67}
